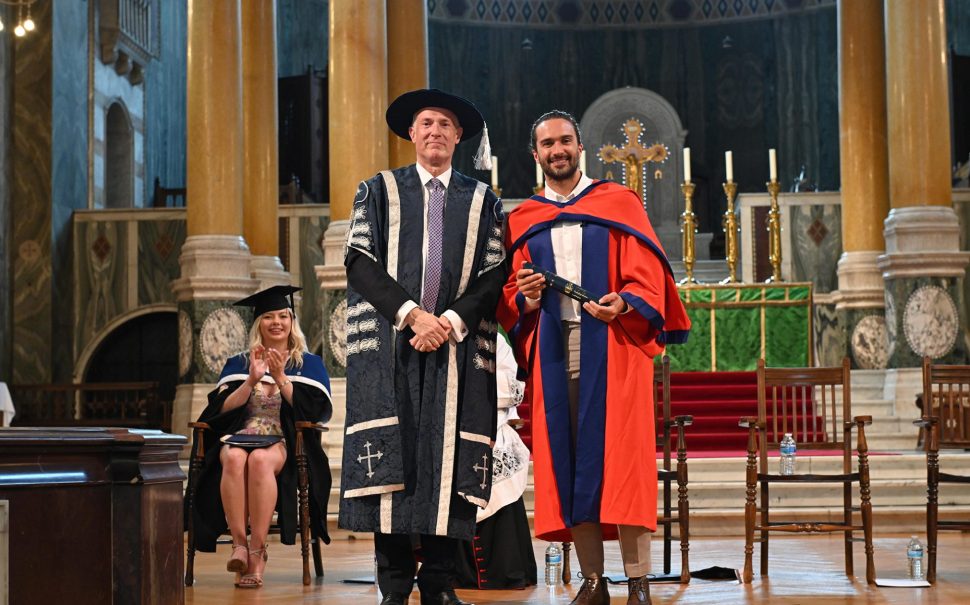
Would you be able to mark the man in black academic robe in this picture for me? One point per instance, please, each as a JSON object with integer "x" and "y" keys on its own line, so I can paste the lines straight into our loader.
{"x": 424, "y": 273}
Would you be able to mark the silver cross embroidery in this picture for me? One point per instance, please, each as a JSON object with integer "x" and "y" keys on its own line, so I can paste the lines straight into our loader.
{"x": 484, "y": 469}
{"x": 361, "y": 458}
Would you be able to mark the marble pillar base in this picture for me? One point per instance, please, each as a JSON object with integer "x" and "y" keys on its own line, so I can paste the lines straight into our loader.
{"x": 860, "y": 309}
{"x": 331, "y": 274}
{"x": 923, "y": 269}
{"x": 268, "y": 271}
{"x": 214, "y": 267}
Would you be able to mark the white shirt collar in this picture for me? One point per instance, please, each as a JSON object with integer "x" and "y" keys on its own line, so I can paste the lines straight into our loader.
{"x": 584, "y": 182}
{"x": 425, "y": 176}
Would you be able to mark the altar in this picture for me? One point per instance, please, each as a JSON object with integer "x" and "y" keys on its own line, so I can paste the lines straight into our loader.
{"x": 734, "y": 325}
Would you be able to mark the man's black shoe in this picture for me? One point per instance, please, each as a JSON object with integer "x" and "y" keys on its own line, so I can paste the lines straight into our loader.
{"x": 445, "y": 597}
{"x": 394, "y": 598}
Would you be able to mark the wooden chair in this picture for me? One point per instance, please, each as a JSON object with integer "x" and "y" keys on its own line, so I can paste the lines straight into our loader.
{"x": 670, "y": 430}
{"x": 814, "y": 404}
{"x": 946, "y": 390}
{"x": 673, "y": 429}
{"x": 304, "y": 430}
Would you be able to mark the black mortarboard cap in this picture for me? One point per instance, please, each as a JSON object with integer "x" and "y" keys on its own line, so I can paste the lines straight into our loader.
{"x": 400, "y": 113}
{"x": 273, "y": 298}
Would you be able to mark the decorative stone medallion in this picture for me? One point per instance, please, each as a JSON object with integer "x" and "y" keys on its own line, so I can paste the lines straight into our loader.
{"x": 869, "y": 343}
{"x": 185, "y": 343}
{"x": 223, "y": 335}
{"x": 338, "y": 333}
{"x": 890, "y": 322}
{"x": 931, "y": 322}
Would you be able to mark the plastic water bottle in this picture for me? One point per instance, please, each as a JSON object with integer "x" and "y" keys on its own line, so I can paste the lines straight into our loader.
{"x": 553, "y": 564}
{"x": 787, "y": 448}
{"x": 914, "y": 556}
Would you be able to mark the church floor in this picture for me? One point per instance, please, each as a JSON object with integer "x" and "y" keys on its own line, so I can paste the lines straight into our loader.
{"x": 803, "y": 570}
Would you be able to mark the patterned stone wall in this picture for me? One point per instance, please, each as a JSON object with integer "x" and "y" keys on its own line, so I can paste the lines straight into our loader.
{"x": 30, "y": 197}
{"x": 6, "y": 124}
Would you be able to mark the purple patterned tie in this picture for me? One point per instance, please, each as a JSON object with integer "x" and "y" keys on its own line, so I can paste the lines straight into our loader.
{"x": 432, "y": 268}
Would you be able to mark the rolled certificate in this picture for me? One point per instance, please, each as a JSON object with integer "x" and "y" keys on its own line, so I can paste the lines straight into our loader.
{"x": 563, "y": 286}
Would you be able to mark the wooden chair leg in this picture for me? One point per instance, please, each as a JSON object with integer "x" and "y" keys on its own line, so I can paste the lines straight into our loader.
{"x": 764, "y": 528}
{"x": 750, "y": 510}
{"x": 668, "y": 538}
{"x": 848, "y": 535}
{"x": 301, "y": 466}
{"x": 864, "y": 489}
{"x": 683, "y": 509}
{"x": 567, "y": 574}
{"x": 195, "y": 467}
{"x": 932, "y": 507}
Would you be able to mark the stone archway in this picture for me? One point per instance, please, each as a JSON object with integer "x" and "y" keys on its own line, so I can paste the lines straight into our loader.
{"x": 119, "y": 161}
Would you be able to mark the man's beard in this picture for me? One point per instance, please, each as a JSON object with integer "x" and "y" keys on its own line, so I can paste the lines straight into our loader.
{"x": 563, "y": 174}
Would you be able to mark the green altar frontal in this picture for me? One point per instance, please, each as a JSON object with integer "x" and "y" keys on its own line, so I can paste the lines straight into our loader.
{"x": 732, "y": 326}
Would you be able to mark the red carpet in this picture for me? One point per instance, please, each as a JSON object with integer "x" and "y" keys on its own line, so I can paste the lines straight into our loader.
{"x": 716, "y": 400}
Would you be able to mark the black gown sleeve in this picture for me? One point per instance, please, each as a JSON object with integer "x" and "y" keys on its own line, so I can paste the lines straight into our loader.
{"x": 373, "y": 283}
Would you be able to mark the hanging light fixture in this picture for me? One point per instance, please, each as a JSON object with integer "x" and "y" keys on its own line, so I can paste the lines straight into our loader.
{"x": 24, "y": 25}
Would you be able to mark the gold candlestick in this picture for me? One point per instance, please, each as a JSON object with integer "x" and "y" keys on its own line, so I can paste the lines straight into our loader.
{"x": 688, "y": 228}
{"x": 730, "y": 224}
{"x": 774, "y": 232}
{"x": 497, "y": 191}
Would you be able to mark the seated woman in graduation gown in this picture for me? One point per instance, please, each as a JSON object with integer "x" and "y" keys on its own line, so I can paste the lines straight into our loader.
{"x": 251, "y": 469}
{"x": 501, "y": 555}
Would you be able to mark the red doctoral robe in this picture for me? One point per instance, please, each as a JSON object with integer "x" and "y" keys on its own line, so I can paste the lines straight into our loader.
{"x": 610, "y": 476}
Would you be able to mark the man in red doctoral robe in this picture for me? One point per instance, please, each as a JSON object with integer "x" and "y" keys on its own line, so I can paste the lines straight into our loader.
{"x": 590, "y": 365}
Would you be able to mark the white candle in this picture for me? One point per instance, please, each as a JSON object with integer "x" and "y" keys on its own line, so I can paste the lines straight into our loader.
{"x": 538, "y": 175}
{"x": 772, "y": 165}
{"x": 582, "y": 161}
{"x": 494, "y": 172}
{"x": 729, "y": 165}
{"x": 686, "y": 164}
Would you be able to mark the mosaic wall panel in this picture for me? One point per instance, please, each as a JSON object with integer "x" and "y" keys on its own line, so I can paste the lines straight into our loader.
{"x": 816, "y": 244}
{"x": 926, "y": 316}
{"x": 6, "y": 122}
{"x": 30, "y": 244}
{"x": 159, "y": 244}
{"x": 101, "y": 278}
{"x": 614, "y": 13}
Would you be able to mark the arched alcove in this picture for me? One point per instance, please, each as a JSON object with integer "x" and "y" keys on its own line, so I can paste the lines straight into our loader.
{"x": 142, "y": 349}
{"x": 119, "y": 151}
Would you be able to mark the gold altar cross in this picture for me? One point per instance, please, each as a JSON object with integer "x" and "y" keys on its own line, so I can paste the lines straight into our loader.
{"x": 633, "y": 155}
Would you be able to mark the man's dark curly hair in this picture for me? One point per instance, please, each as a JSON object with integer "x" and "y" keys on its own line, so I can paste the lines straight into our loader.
{"x": 551, "y": 115}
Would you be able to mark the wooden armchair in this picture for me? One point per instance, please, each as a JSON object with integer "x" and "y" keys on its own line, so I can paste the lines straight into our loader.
{"x": 814, "y": 404}
{"x": 946, "y": 395}
{"x": 304, "y": 430}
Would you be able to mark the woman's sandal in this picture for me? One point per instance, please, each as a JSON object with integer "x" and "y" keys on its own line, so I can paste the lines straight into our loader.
{"x": 235, "y": 564}
{"x": 254, "y": 580}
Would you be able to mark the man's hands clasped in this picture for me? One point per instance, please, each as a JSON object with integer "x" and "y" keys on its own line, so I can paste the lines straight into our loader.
{"x": 430, "y": 331}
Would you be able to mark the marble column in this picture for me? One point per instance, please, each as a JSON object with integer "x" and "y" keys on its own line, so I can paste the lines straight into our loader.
{"x": 860, "y": 300}
{"x": 357, "y": 75}
{"x": 260, "y": 192}
{"x": 923, "y": 266}
{"x": 215, "y": 260}
{"x": 407, "y": 63}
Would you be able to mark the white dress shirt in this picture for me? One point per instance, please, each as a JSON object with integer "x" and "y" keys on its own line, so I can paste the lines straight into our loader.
{"x": 567, "y": 246}
{"x": 458, "y": 328}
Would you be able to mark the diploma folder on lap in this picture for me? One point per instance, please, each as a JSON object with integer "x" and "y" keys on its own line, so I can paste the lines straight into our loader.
{"x": 563, "y": 286}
